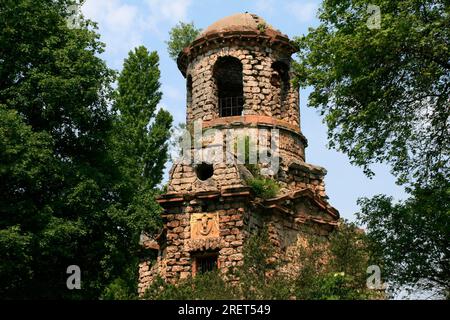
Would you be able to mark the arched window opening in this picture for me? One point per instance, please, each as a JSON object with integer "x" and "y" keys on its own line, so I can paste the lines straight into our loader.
{"x": 280, "y": 81}
{"x": 230, "y": 91}
{"x": 189, "y": 91}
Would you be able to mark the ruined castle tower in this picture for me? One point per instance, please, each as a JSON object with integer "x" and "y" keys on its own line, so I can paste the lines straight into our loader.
{"x": 238, "y": 80}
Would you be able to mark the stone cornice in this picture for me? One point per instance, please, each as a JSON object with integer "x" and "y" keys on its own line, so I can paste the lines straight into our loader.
{"x": 255, "y": 120}
{"x": 173, "y": 198}
{"x": 322, "y": 204}
{"x": 244, "y": 37}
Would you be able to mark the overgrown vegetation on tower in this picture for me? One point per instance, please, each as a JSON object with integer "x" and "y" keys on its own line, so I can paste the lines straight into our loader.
{"x": 333, "y": 270}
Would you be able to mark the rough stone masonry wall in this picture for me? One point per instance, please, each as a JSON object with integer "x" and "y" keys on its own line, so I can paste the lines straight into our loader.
{"x": 303, "y": 178}
{"x": 300, "y": 175}
{"x": 183, "y": 179}
{"x": 182, "y": 176}
{"x": 288, "y": 233}
{"x": 260, "y": 94}
{"x": 175, "y": 260}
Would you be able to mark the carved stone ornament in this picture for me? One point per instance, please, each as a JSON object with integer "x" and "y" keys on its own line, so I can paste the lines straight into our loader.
{"x": 204, "y": 225}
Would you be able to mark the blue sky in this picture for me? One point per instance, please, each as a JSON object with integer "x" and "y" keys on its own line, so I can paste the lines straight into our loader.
{"x": 125, "y": 24}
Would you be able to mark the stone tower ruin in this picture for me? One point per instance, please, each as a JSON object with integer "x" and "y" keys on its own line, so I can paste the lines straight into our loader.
{"x": 238, "y": 82}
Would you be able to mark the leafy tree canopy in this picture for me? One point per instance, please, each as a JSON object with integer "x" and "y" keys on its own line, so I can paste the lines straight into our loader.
{"x": 66, "y": 196}
{"x": 55, "y": 168}
{"x": 384, "y": 91}
{"x": 180, "y": 37}
{"x": 412, "y": 237}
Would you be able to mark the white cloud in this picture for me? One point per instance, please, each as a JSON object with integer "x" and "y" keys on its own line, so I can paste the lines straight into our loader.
{"x": 120, "y": 26}
{"x": 123, "y": 26}
{"x": 111, "y": 13}
{"x": 163, "y": 14}
{"x": 265, "y": 6}
{"x": 122, "y": 18}
{"x": 303, "y": 11}
{"x": 172, "y": 10}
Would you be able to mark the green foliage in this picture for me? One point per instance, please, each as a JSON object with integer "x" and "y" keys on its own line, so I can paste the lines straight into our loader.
{"x": 54, "y": 164}
{"x": 349, "y": 248}
{"x": 262, "y": 27}
{"x": 384, "y": 92}
{"x": 181, "y": 37}
{"x": 66, "y": 196}
{"x": 123, "y": 287}
{"x": 336, "y": 286}
{"x": 252, "y": 167}
{"x": 208, "y": 286}
{"x": 412, "y": 237}
{"x": 16, "y": 255}
{"x": 265, "y": 188}
{"x": 140, "y": 137}
{"x": 335, "y": 270}
{"x": 139, "y": 143}
{"x": 254, "y": 275}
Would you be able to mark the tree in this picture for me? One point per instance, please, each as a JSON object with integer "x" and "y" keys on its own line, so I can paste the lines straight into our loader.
{"x": 140, "y": 146}
{"x": 181, "y": 36}
{"x": 26, "y": 159}
{"x": 66, "y": 196}
{"x": 384, "y": 92}
{"x": 412, "y": 237}
{"x": 141, "y": 132}
{"x": 335, "y": 268}
{"x": 55, "y": 168}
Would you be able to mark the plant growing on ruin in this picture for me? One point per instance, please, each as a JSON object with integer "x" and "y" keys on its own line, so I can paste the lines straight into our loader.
{"x": 180, "y": 37}
{"x": 326, "y": 270}
{"x": 262, "y": 27}
{"x": 252, "y": 167}
{"x": 263, "y": 187}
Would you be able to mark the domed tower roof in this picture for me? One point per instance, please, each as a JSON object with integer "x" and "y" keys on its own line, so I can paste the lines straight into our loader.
{"x": 243, "y": 27}
{"x": 240, "y": 22}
